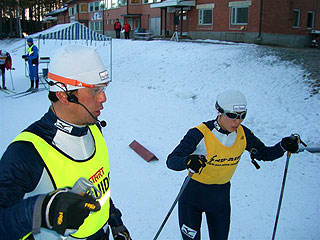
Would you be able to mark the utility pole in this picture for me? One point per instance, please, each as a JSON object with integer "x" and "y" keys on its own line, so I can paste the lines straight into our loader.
{"x": 18, "y": 20}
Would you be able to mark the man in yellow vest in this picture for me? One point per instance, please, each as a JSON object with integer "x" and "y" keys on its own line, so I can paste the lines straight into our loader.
{"x": 211, "y": 152}
{"x": 54, "y": 176}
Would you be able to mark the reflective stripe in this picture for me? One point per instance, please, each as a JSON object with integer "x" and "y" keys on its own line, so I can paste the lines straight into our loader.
{"x": 104, "y": 199}
{"x": 69, "y": 81}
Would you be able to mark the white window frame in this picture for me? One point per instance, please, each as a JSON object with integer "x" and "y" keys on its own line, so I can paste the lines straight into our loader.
{"x": 204, "y": 7}
{"x": 298, "y": 16}
{"x": 312, "y": 23}
{"x": 201, "y": 16}
{"x": 95, "y": 26}
{"x": 95, "y": 6}
{"x": 234, "y": 16}
{"x": 234, "y": 7}
{"x": 73, "y": 10}
{"x": 91, "y": 5}
{"x": 147, "y": 1}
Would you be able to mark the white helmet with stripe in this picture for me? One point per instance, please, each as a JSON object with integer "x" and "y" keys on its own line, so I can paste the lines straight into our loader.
{"x": 76, "y": 66}
{"x": 231, "y": 101}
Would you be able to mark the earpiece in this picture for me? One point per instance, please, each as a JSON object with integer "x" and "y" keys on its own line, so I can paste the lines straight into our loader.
{"x": 72, "y": 98}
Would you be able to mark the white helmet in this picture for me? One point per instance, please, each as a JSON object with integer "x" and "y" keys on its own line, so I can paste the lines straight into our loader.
{"x": 76, "y": 66}
{"x": 4, "y": 52}
{"x": 231, "y": 101}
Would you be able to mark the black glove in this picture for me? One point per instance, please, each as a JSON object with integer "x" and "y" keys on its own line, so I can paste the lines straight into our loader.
{"x": 63, "y": 209}
{"x": 119, "y": 231}
{"x": 195, "y": 163}
{"x": 25, "y": 57}
{"x": 290, "y": 144}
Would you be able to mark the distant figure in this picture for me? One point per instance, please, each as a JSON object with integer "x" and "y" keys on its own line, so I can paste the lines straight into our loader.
{"x": 117, "y": 28}
{"x": 5, "y": 63}
{"x": 33, "y": 61}
{"x": 126, "y": 27}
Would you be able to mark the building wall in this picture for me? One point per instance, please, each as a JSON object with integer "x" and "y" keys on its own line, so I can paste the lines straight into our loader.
{"x": 278, "y": 16}
{"x": 276, "y": 27}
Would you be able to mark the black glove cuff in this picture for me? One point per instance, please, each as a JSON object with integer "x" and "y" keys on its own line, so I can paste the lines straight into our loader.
{"x": 116, "y": 230}
{"x": 115, "y": 218}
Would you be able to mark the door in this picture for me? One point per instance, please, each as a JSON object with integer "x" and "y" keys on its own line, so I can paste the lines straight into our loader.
{"x": 154, "y": 26}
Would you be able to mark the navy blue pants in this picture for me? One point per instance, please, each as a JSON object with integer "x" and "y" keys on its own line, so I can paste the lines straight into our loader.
{"x": 214, "y": 201}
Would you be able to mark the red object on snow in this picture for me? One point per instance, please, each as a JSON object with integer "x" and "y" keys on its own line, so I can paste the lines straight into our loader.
{"x": 142, "y": 151}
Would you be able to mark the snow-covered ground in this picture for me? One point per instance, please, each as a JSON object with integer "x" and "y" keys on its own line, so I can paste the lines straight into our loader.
{"x": 160, "y": 89}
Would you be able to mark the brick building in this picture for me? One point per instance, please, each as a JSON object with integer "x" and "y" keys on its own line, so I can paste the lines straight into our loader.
{"x": 285, "y": 22}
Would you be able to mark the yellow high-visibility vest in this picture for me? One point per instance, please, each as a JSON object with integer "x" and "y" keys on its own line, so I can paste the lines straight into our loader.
{"x": 222, "y": 161}
{"x": 64, "y": 172}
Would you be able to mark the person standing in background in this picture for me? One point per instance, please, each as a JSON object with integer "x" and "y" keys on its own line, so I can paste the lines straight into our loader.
{"x": 117, "y": 28}
{"x": 5, "y": 63}
{"x": 33, "y": 61}
{"x": 126, "y": 27}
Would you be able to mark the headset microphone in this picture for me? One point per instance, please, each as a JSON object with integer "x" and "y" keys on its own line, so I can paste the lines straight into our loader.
{"x": 73, "y": 99}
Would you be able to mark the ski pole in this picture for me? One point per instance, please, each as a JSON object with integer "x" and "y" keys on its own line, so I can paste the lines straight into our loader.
{"x": 281, "y": 195}
{"x": 310, "y": 149}
{"x": 11, "y": 79}
{"x": 284, "y": 182}
{"x": 185, "y": 183}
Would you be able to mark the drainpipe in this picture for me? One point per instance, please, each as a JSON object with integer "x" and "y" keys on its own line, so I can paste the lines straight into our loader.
{"x": 128, "y": 7}
{"x": 181, "y": 20}
{"x": 165, "y": 22}
{"x": 260, "y": 18}
{"x": 161, "y": 15}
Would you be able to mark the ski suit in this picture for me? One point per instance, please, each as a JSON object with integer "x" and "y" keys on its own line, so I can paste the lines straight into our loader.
{"x": 33, "y": 62}
{"x": 5, "y": 63}
{"x": 26, "y": 177}
{"x": 209, "y": 191}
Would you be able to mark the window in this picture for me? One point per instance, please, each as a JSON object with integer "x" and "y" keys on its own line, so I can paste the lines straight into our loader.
{"x": 96, "y": 26}
{"x": 239, "y": 15}
{"x": 147, "y": 1}
{"x": 134, "y": 2}
{"x": 83, "y": 7}
{"x": 205, "y": 16}
{"x": 296, "y": 18}
{"x": 122, "y": 3}
{"x": 96, "y": 6}
{"x": 137, "y": 23}
{"x": 310, "y": 21}
{"x": 73, "y": 10}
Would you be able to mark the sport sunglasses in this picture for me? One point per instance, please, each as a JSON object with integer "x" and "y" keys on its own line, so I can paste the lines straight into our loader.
{"x": 231, "y": 115}
{"x": 235, "y": 115}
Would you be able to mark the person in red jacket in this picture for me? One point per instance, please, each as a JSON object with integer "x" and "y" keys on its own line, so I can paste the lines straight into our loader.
{"x": 117, "y": 28}
{"x": 5, "y": 63}
{"x": 126, "y": 27}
